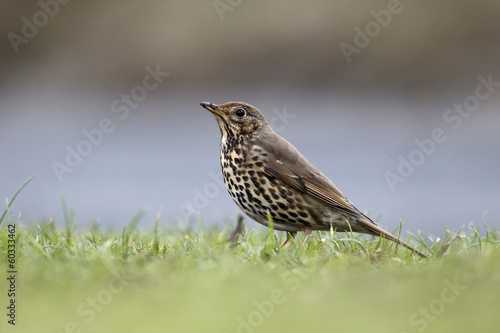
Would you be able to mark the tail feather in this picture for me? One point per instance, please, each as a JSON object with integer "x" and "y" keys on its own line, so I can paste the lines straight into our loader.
{"x": 373, "y": 229}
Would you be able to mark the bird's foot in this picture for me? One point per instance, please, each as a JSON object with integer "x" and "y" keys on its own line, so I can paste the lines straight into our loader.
{"x": 289, "y": 238}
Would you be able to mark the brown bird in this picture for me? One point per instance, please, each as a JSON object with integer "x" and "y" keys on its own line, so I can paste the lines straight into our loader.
{"x": 269, "y": 179}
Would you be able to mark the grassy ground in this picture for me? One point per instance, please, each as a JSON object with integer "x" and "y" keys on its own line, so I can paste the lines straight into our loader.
{"x": 193, "y": 280}
{"x": 184, "y": 280}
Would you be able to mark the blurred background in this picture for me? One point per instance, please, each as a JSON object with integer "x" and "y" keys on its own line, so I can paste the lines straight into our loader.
{"x": 100, "y": 101}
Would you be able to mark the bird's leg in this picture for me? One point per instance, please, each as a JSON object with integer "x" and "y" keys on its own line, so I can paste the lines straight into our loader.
{"x": 290, "y": 235}
{"x": 237, "y": 230}
{"x": 307, "y": 233}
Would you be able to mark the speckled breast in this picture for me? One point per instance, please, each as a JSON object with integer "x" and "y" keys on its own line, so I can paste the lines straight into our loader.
{"x": 260, "y": 196}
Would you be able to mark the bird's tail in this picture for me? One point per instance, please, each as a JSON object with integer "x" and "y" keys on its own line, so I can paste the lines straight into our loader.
{"x": 374, "y": 229}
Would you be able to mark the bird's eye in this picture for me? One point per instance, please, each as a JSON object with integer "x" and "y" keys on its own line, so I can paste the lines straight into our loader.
{"x": 240, "y": 112}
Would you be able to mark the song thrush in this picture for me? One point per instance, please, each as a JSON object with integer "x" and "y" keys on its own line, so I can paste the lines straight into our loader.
{"x": 269, "y": 179}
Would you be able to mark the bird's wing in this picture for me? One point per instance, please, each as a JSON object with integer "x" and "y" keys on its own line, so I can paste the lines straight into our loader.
{"x": 290, "y": 167}
{"x": 312, "y": 184}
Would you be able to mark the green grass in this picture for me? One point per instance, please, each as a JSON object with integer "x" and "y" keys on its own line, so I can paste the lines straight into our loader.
{"x": 173, "y": 279}
{"x": 192, "y": 280}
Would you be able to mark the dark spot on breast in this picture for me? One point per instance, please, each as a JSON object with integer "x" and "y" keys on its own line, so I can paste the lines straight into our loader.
{"x": 278, "y": 220}
{"x": 293, "y": 214}
{"x": 282, "y": 205}
{"x": 283, "y": 215}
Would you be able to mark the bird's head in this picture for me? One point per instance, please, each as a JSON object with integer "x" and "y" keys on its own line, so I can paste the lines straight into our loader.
{"x": 237, "y": 119}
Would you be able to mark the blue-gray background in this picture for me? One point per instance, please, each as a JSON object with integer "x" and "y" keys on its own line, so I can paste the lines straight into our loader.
{"x": 351, "y": 119}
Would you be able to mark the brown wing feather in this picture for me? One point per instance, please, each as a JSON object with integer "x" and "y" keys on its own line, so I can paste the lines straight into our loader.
{"x": 309, "y": 185}
{"x": 290, "y": 166}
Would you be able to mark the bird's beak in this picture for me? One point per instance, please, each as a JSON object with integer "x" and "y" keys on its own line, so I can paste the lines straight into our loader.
{"x": 214, "y": 109}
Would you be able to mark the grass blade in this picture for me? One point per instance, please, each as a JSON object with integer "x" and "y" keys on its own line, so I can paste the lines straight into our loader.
{"x": 9, "y": 203}
{"x": 132, "y": 225}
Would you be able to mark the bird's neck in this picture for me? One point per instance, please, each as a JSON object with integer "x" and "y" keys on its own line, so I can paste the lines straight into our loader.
{"x": 229, "y": 142}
